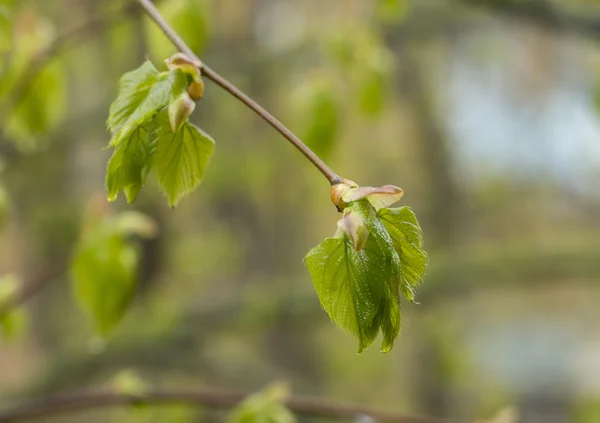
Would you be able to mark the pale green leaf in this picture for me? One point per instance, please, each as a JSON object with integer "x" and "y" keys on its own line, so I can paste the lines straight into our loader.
{"x": 266, "y": 406}
{"x": 140, "y": 109}
{"x": 129, "y": 165}
{"x": 180, "y": 158}
{"x": 407, "y": 237}
{"x": 134, "y": 223}
{"x": 104, "y": 274}
{"x": 40, "y": 109}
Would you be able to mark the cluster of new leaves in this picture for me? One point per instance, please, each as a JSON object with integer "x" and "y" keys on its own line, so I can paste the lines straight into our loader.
{"x": 30, "y": 109}
{"x": 376, "y": 253}
{"x": 265, "y": 406}
{"x": 104, "y": 270}
{"x": 151, "y": 131}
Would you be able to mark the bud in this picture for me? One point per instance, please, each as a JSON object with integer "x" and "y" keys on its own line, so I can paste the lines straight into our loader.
{"x": 187, "y": 65}
{"x": 180, "y": 110}
{"x": 196, "y": 89}
{"x": 354, "y": 228}
{"x": 337, "y": 191}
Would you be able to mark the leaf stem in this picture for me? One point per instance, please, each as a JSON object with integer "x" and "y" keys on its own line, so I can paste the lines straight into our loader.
{"x": 44, "y": 407}
{"x": 155, "y": 15}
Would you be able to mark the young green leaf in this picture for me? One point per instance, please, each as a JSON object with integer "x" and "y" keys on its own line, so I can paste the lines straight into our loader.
{"x": 134, "y": 88}
{"x": 402, "y": 225}
{"x": 129, "y": 165}
{"x": 180, "y": 158}
{"x": 104, "y": 268}
{"x": 265, "y": 407}
{"x": 129, "y": 112}
{"x": 358, "y": 281}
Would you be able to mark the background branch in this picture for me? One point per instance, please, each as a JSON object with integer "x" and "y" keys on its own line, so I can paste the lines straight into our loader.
{"x": 44, "y": 407}
{"x": 545, "y": 13}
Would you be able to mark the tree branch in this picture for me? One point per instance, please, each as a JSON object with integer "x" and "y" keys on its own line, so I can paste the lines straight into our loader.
{"x": 44, "y": 407}
{"x": 33, "y": 287}
{"x": 155, "y": 15}
{"x": 545, "y": 13}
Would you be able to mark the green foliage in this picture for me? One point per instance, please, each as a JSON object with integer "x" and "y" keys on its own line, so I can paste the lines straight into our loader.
{"x": 357, "y": 280}
{"x": 264, "y": 407}
{"x": 144, "y": 136}
{"x": 180, "y": 158}
{"x": 12, "y": 323}
{"x": 188, "y": 18}
{"x": 33, "y": 109}
{"x": 105, "y": 267}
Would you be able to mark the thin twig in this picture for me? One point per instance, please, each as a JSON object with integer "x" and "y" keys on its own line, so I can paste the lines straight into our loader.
{"x": 45, "y": 407}
{"x": 155, "y": 15}
{"x": 31, "y": 288}
{"x": 545, "y": 13}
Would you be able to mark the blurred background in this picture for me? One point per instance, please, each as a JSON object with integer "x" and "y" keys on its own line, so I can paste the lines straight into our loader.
{"x": 483, "y": 111}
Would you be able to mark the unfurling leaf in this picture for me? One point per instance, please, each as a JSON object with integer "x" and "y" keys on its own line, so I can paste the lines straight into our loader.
{"x": 180, "y": 158}
{"x": 266, "y": 406}
{"x": 180, "y": 110}
{"x": 105, "y": 267}
{"x": 375, "y": 254}
{"x": 354, "y": 228}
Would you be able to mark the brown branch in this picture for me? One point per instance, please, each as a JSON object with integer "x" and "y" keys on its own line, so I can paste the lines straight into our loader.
{"x": 545, "y": 13}
{"x": 155, "y": 15}
{"x": 44, "y": 407}
{"x": 31, "y": 288}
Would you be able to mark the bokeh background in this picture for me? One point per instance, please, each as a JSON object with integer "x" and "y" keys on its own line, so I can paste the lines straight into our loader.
{"x": 483, "y": 111}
